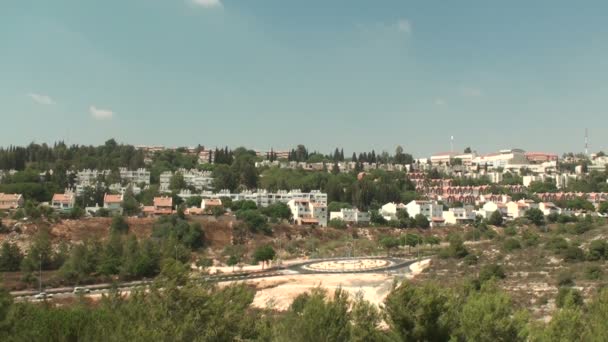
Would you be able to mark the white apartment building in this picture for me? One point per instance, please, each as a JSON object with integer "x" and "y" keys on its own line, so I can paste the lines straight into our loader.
{"x": 113, "y": 203}
{"x": 548, "y": 208}
{"x": 263, "y": 198}
{"x": 138, "y": 176}
{"x": 502, "y": 158}
{"x": 490, "y": 207}
{"x": 429, "y": 209}
{"x": 389, "y": 210}
{"x": 459, "y": 215}
{"x": 200, "y": 180}
{"x": 495, "y": 177}
{"x": 306, "y": 212}
{"x": 351, "y": 216}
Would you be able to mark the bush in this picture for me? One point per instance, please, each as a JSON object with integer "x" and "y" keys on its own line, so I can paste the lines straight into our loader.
{"x": 557, "y": 244}
{"x": 574, "y": 254}
{"x": 529, "y": 238}
{"x": 598, "y": 249}
{"x": 511, "y": 244}
{"x": 594, "y": 272}
{"x": 470, "y": 259}
{"x": 496, "y": 218}
{"x": 490, "y": 271}
{"x": 581, "y": 228}
{"x": 510, "y": 231}
{"x": 565, "y": 279}
{"x": 567, "y": 296}
{"x": 337, "y": 223}
{"x": 457, "y": 248}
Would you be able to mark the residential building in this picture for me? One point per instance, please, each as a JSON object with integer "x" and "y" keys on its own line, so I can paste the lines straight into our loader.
{"x": 516, "y": 209}
{"x": 63, "y": 202}
{"x": 10, "y": 201}
{"x": 548, "y": 208}
{"x": 139, "y": 176}
{"x": 207, "y": 204}
{"x": 490, "y": 207}
{"x": 163, "y": 205}
{"x": 113, "y": 203}
{"x": 389, "y": 210}
{"x": 306, "y": 212}
{"x": 263, "y": 198}
{"x": 459, "y": 215}
{"x": 199, "y": 180}
{"x": 353, "y": 216}
{"x": 429, "y": 209}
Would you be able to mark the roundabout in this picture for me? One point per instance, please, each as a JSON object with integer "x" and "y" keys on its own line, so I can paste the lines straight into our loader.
{"x": 348, "y": 265}
{"x": 351, "y": 265}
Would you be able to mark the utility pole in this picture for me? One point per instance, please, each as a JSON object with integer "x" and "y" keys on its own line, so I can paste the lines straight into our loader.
{"x": 40, "y": 274}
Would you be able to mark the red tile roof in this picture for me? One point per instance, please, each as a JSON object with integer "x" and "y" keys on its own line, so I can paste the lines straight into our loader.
{"x": 108, "y": 198}
{"x": 163, "y": 201}
{"x": 63, "y": 198}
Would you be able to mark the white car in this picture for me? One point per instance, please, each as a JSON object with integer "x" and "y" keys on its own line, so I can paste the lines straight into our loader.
{"x": 81, "y": 290}
{"x": 43, "y": 295}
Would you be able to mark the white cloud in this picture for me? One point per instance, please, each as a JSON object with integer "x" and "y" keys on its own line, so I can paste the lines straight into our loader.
{"x": 41, "y": 99}
{"x": 100, "y": 114}
{"x": 471, "y": 92}
{"x": 439, "y": 102}
{"x": 404, "y": 26}
{"x": 208, "y": 3}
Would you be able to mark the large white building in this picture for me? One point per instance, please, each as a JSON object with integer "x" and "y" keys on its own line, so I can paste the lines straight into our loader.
{"x": 429, "y": 209}
{"x": 138, "y": 176}
{"x": 307, "y": 212}
{"x": 264, "y": 198}
{"x": 351, "y": 216}
{"x": 459, "y": 215}
{"x": 389, "y": 210}
{"x": 200, "y": 180}
{"x": 502, "y": 158}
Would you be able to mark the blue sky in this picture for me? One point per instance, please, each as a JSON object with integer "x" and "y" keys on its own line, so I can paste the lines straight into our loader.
{"x": 358, "y": 74}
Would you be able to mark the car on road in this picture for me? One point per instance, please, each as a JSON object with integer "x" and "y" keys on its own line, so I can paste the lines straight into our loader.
{"x": 81, "y": 290}
{"x": 43, "y": 295}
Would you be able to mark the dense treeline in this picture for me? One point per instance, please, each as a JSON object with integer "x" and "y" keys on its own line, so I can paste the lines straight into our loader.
{"x": 178, "y": 309}
{"x": 111, "y": 155}
{"x": 375, "y": 189}
{"x": 122, "y": 255}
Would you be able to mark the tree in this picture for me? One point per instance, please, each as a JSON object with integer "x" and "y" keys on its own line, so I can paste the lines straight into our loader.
{"x": 421, "y": 221}
{"x": 467, "y": 150}
{"x": 603, "y": 207}
{"x": 415, "y": 313}
{"x": 496, "y": 219}
{"x": 119, "y": 225}
{"x": 233, "y": 260}
{"x": 488, "y": 316}
{"x": 264, "y": 254}
{"x": 535, "y": 216}
{"x": 10, "y": 257}
{"x": 432, "y": 240}
{"x": 388, "y": 243}
{"x": 177, "y": 182}
{"x": 411, "y": 240}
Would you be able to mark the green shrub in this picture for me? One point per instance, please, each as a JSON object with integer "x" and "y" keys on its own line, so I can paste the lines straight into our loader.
{"x": 565, "y": 279}
{"x": 594, "y": 272}
{"x": 567, "y": 296}
{"x": 574, "y": 254}
{"x": 470, "y": 259}
{"x": 511, "y": 244}
{"x": 510, "y": 231}
{"x": 490, "y": 271}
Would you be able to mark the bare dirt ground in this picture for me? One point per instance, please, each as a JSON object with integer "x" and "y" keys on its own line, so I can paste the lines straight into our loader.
{"x": 278, "y": 292}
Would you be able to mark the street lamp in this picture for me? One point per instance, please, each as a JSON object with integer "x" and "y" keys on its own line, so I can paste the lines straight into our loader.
{"x": 40, "y": 274}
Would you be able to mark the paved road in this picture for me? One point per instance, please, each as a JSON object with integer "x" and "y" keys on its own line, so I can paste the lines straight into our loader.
{"x": 293, "y": 269}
